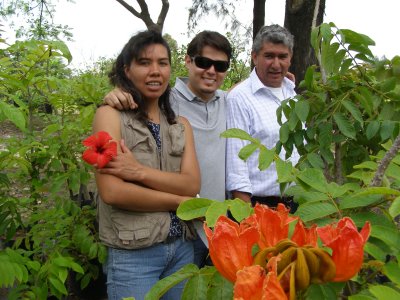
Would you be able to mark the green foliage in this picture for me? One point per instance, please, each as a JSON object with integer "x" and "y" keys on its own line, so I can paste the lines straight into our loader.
{"x": 48, "y": 232}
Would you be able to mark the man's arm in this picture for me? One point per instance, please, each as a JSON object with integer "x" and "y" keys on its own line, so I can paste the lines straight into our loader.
{"x": 119, "y": 99}
{"x": 237, "y": 172}
{"x": 246, "y": 197}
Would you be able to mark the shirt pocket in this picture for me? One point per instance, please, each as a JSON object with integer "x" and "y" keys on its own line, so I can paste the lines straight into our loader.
{"x": 176, "y": 146}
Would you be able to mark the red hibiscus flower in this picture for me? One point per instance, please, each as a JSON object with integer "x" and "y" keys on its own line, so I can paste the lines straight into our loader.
{"x": 347, "y": 245}
{"x": 99, "y": 149}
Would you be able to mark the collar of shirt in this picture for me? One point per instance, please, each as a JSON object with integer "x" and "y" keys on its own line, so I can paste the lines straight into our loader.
{"x": 256, "y": 84}
{"x": 181, "y": 87}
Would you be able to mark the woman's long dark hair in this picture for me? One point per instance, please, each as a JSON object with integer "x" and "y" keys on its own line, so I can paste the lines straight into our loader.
{"x": 132, "y": 50}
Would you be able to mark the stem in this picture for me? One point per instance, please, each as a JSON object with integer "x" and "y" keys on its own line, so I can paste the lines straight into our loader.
{"x": 384, "y": 164}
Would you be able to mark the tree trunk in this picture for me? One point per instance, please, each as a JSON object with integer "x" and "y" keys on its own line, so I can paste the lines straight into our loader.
{"x": 258, "y": 16}
{"x": 299, "y": 16}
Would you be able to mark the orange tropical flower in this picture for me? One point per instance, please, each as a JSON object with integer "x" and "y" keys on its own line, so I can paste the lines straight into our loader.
{"x": 303, "y": 236}
{"x": 254, "y": 284}
{"x": 99, "y": 149}
{"x": 230, "y": 246}
{"x": 347, "y": 245}
{"x": 272, "y": 224}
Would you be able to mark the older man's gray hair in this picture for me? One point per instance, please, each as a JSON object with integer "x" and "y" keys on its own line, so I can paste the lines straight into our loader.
{"x": 275, "y": 34}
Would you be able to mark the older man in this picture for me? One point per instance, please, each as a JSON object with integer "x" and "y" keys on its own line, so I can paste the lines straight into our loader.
{"x": 252, "y": 107}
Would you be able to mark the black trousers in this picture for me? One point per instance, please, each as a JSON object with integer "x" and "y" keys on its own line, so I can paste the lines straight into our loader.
{"x": 272, "y": 201}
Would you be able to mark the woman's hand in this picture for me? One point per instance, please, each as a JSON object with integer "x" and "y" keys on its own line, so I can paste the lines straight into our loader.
{"x": 124, "y": 166}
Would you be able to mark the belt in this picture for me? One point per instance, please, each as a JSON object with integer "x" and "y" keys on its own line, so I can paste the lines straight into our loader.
{"x": 272, "y": 201}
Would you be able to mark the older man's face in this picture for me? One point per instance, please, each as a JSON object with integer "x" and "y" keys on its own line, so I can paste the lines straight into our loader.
{"x": 272, "y": 63}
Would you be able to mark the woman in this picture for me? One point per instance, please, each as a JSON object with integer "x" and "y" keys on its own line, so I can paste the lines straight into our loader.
{"x": 156, "y": 169}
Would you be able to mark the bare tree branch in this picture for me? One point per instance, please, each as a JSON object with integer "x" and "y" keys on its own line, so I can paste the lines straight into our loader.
{"x": 378, "y": 177}
{"x": 144, "y": 14}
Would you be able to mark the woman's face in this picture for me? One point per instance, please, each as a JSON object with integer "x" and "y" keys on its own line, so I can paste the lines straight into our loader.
{"x": 151, "y": 72}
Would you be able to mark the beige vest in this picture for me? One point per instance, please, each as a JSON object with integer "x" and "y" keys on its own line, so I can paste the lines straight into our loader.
{"x": 124, "y": 229}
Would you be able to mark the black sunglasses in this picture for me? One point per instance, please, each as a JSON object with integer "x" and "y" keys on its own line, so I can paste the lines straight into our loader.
{"x": 206, "y": 63}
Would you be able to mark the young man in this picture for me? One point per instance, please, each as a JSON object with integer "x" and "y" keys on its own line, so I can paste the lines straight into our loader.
{"x": 199, "y": 99}
{"x": 251, "y": 106}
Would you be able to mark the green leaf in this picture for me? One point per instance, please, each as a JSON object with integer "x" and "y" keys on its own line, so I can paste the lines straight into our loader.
{"x": 247, "y": 150}
{"x": 352, "y": 37}
{"x": 370, "y": 165}
{"x": 377, "y": 191}
{"x": 284, "y": 170}
{"x": 372, "y": 129}
{"x": 353, "y": 201}
{"x": 13, "y": 114}
{"x": 345, "y": 125}
{"x": 311, "y": 211}
{"x": 284, "y": 133}
{"x": 386, "y": 130}
{"x": 354, "y": 111}
{"x": 392, "y": 270}
{"x": 220, "y": 288}
{"x": 193, "y": 208}
{"x": 197, "y": 286}
{"x": 163, "y": 285}
{"x": 313, "y": 178}
{"x": 388, "y": 85}
{"x": 325, "y": 134}
{"x": 384, "y": 292}
{"x": 361, "y": 297}
{"x": 394, "y": 209}
{"x": 239, "y": 209}
{"x": 240, "y": 134}
{"x": 389, "y": 235}
{"x": 321, "y": 291}
{"x": 265, "y": 158}
{"x": 215, "y": 210}
{"x": 315, "y": 160}
{"x": 58, "y": 285}
{"x": 374, "y": 248}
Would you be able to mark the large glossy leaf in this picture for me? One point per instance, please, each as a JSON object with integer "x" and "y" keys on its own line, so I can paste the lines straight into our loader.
{"x": 353, "y": 109}
{"x": 392, "y": 270}
{"x": 215, "y": 210}
{"x": 394, "y": 209}
{"x": 311, "y": 211}
{"x": 220, "y": 289}
{"x": 377, "y": 191}
{"x": 284, "y": 133}
{"x": 240, "y": 134}
{"x": 372, "y": 129}
{"x": 284, "y": 170}
{"x": 247, "y": 150}
{"x": 163, "y": 285}
{"x": 239, "y": 209}
{"x": 193, "y": 208}
{"x": 352, "y": 37}
{"x": 321, "y": 291}
{"x": 197, "y": 286}
{"x": 265, "y": 158}
{"x": 14, "y": 115}
{"x": 313, "y": 178}
{"x": 345, "y": 125}
{"x": 353, "y": 201}
{"x": 384, "y": 292}
{"x": 387, "y": 234}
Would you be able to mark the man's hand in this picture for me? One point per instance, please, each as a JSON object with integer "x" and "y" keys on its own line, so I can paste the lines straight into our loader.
{"x": 119, "y": 99}
{"x": 291, "y": 77}
{"x": 124, "y": 166}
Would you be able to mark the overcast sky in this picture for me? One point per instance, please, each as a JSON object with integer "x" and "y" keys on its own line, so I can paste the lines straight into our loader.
{"x": 102, "y": 27}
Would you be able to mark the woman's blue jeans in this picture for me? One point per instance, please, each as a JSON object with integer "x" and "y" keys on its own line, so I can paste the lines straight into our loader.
{"x": 132, "y": 273}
